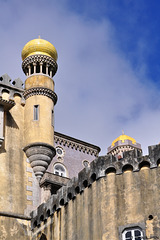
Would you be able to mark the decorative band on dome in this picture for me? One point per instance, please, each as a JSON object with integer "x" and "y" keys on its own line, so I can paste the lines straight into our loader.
{"x": 41, "y": 91}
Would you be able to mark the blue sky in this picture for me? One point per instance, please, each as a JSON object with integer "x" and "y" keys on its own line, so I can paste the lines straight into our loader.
{"x": 108, "y": 58}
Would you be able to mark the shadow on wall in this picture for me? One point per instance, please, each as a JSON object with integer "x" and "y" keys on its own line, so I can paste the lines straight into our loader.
{"x": 43, "y": 237}
{"x": 11, "y": 122}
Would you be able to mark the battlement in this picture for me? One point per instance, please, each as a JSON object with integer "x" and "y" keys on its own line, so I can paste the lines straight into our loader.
{"x": 98, "y": 168}
{"x": 10, "y": 88}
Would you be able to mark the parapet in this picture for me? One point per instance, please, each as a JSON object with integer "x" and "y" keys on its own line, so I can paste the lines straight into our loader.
{"x": 98, "y": 168}
{"x": 11, "y": 87}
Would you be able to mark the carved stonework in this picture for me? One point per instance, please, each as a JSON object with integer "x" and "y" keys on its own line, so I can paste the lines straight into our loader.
{"x": 43, "y": 59}
{"x": 40, "y": 91}
{"x": 7, "y": 104}
{"x": 40, "y": 156}
{"x": 77, "y": 146}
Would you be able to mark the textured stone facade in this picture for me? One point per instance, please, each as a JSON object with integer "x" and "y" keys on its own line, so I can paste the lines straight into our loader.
{"x": 20, "y": 191}
{"x": 104, "y": 200}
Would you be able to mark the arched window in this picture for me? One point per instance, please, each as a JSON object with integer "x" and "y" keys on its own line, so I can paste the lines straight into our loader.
{"x": 85, "y": 163}
{"x": 132, "y": 234}
{"x": 60, "y": 170}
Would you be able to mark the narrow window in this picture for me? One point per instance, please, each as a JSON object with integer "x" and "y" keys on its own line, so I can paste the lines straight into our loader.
{"x": 36, "y": 112}
{"x": 52, "y": 118}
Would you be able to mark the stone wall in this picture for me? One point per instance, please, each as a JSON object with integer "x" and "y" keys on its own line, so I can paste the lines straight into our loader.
{"x": 14, "y": 228}
{"x": 105, "y": 199}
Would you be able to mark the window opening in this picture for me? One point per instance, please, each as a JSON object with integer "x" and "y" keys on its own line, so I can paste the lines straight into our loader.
{"x": 52, "y": 118}
{"x": 32, "y": 69}
{"x": 132, "y": 234}
{"x": 85, "y": 163}
{"x": 37, "y": 68}
{"x": 36, "y": 112}
{"x": 59, "y": 170}
{"x": 44, "y": 69}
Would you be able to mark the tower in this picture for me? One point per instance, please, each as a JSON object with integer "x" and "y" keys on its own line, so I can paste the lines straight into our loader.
{"x": 122, "y": 144}
{"x": 39, "y": 65}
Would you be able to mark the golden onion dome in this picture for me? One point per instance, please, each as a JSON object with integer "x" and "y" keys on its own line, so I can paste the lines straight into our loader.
{"x": 122, "y": 138}
{"x": 39, "y": 46}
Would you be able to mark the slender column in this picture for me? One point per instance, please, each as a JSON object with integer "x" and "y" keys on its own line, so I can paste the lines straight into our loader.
{"x": 41, "y": 64}
{"x": 1, "y": 124}
{"x": 29, "y": 70}
{"x": 47, "y": 69}
{"x": 34, "y": 65}
{"x": 26, "y": 71}
{"x": 51, "y": 73}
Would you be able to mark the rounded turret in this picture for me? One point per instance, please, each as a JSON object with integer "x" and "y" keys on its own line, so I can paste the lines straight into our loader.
{"x": 39, "y": 65}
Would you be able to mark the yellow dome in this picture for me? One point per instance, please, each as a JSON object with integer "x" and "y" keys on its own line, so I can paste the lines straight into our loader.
{"x": 122, "y": 138}
{"x": 39, "y": 46}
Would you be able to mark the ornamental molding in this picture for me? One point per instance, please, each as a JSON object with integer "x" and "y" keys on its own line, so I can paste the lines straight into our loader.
{"x": 39, "y": 59}
{"x": 40, "y": 91}
{"x": 76, "y": 146}
{"x": 7, "y": 103}
{"x": 40, "y": 156}
{"x": 120, "y": 144}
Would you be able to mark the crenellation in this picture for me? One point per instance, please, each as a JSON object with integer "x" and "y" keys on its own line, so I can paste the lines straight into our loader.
{"x": 9, "y": 89}
{"x": 98, "y": 169}
{"x": 154, "y": 154}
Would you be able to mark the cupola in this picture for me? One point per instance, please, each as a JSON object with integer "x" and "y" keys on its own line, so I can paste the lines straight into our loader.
{"x": 122, "y": 144}
{"x": 39, "y": 56}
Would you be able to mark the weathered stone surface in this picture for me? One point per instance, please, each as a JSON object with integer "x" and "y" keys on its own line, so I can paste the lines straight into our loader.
{"x": 18, "y": 83}
{"x": 5, "y": 79}
{"x": 40, "y": 156}
{"x": 129, "y": 197}
{"x": 12, "y": 228}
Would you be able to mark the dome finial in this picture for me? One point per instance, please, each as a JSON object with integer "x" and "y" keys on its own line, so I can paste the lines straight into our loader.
{"x": 39, "y": 37}
{"x": 122, "y": 132}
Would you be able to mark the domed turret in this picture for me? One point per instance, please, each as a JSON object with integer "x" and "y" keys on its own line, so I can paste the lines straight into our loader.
{"x": 123, "y": 138}
{"x": 39, "y": 64}
{"x": 39, "y": 46}
{"x": 39, "y": 56}
{"x": 121, "y": 144}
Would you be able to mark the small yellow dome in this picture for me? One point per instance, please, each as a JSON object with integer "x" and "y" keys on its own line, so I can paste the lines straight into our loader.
{"x": 39, "y": 46}
{"x": 122, "y": 138}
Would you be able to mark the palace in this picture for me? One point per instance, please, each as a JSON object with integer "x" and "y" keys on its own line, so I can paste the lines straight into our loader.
{"x": 56, "y": 187}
